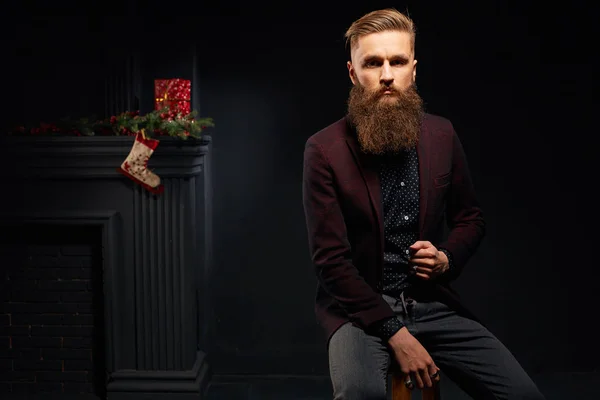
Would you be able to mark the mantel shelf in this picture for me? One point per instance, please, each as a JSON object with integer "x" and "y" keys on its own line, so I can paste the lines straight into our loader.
{"x": 62, "y": 157}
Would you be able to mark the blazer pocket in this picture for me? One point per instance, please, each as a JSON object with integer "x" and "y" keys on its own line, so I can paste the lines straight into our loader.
{"x": 442, "y": 180}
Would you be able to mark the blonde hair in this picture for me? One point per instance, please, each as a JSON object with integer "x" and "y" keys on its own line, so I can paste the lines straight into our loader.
{"x": 388, "y": 19}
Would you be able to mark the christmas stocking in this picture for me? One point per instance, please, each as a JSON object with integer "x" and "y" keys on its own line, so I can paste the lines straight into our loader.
{"x": 135, "y": 165}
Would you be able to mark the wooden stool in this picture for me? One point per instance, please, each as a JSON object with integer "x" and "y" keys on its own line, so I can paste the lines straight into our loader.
{"x": 401, "y": 392}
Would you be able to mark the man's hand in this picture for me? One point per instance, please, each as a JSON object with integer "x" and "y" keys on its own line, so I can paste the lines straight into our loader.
{"x": 415, "y": 362}
{"x": 427, "y": 261}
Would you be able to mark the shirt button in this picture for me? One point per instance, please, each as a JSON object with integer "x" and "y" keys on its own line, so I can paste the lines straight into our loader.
{"x": 406, "y": 217}
{"x": 401, "y": 183}
{"x": 407, "y": 251}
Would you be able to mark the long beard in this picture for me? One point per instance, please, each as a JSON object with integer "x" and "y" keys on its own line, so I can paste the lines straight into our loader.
{"x": 385, "y": 125}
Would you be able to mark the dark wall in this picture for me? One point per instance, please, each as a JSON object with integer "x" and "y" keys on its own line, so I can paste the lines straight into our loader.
{"x": 55, "y": 67}
{"x": 271, "y": 82}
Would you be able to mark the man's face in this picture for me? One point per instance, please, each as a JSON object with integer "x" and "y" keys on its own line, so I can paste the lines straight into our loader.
{"x": 383, "y": 60}
{"x": 383, "y": 103}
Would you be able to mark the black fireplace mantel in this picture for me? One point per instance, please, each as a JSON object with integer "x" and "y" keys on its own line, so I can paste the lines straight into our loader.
{"x": 157, "y": 249}
{"x": 95, "y": 156}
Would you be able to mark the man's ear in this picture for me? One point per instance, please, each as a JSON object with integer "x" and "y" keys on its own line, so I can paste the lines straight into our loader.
{"x": 351, "y": 72}
{"x": 414, "y": 71}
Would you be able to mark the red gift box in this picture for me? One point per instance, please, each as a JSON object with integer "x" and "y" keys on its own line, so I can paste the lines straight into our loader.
{"x": 174, "y": 94}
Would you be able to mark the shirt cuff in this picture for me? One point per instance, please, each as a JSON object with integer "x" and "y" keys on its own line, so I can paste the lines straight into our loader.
{"x": 449, "y": 255}
{"x": 387, "y": 328}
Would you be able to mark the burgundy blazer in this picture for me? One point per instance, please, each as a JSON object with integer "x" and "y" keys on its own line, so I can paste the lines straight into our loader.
{"x": 343, "y": 208}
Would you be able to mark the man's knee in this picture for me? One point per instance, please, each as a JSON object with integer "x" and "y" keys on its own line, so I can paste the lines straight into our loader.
{"x": 357, "y": 365}
{"x": 358, "y": 380}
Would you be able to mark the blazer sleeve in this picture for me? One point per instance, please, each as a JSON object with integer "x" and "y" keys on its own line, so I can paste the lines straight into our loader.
{"x": 463, "y": 213}
{"x": 329, "y": 246}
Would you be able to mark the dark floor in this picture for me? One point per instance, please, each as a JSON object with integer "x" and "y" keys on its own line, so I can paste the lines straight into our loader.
{"x": 564, "y": 386}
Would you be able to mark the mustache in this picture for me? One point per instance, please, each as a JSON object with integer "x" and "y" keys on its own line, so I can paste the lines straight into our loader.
{"x": 388, "y": 89}
{"x": 381, "y": 92}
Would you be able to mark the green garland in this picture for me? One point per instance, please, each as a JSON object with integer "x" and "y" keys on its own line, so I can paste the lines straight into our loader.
{"x": 155, "y": 124}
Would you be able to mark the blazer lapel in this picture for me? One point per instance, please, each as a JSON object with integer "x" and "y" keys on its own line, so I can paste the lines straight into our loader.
{"x": 423, "y": 154}
{"x": 370, "y": 175}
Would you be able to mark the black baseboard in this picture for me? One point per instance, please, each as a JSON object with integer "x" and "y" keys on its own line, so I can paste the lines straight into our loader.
{"x": 266, "y": 387}
{"x": 554, "y": 385}
{"x": 161, "y": 385}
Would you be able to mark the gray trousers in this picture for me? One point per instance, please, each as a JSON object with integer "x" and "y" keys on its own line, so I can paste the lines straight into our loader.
{"x": 463, "y": 349}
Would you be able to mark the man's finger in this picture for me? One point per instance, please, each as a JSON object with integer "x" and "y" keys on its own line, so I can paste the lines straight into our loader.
{"x": 423, "y": 270}
{"x": 426, "y": 378}
{"x": 418, "y": 380}
{"x": 426, "y": 262}
{"x": 424, "y": 276}
{"x": 420, "y": 244}
{"x": 434, "y": 373}
{"x": 424, "y": 253}
{"x": 422, "y": 262}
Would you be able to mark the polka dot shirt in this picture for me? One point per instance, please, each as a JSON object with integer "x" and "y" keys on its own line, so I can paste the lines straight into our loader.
{"x": 399, "y": 177}
{"x": 400, "y": 196}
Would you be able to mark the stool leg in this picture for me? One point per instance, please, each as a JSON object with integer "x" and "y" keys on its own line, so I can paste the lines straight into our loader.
{"x": 399, "y": 389}
{"x": 432, "y": 393}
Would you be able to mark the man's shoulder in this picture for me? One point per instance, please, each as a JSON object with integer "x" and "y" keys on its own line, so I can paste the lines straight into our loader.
{"x": 330, "y": 134}
{"x": 437, "y": 123}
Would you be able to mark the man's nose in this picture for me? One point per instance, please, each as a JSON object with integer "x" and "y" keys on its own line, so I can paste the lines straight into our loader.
{"x": 386, "y": 74}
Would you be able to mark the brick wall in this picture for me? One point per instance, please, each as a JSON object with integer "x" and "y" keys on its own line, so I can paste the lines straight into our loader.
{"x": 51, "y": 313}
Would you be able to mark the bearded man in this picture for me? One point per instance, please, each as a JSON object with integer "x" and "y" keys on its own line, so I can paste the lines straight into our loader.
{"x": 378, "y": 187}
